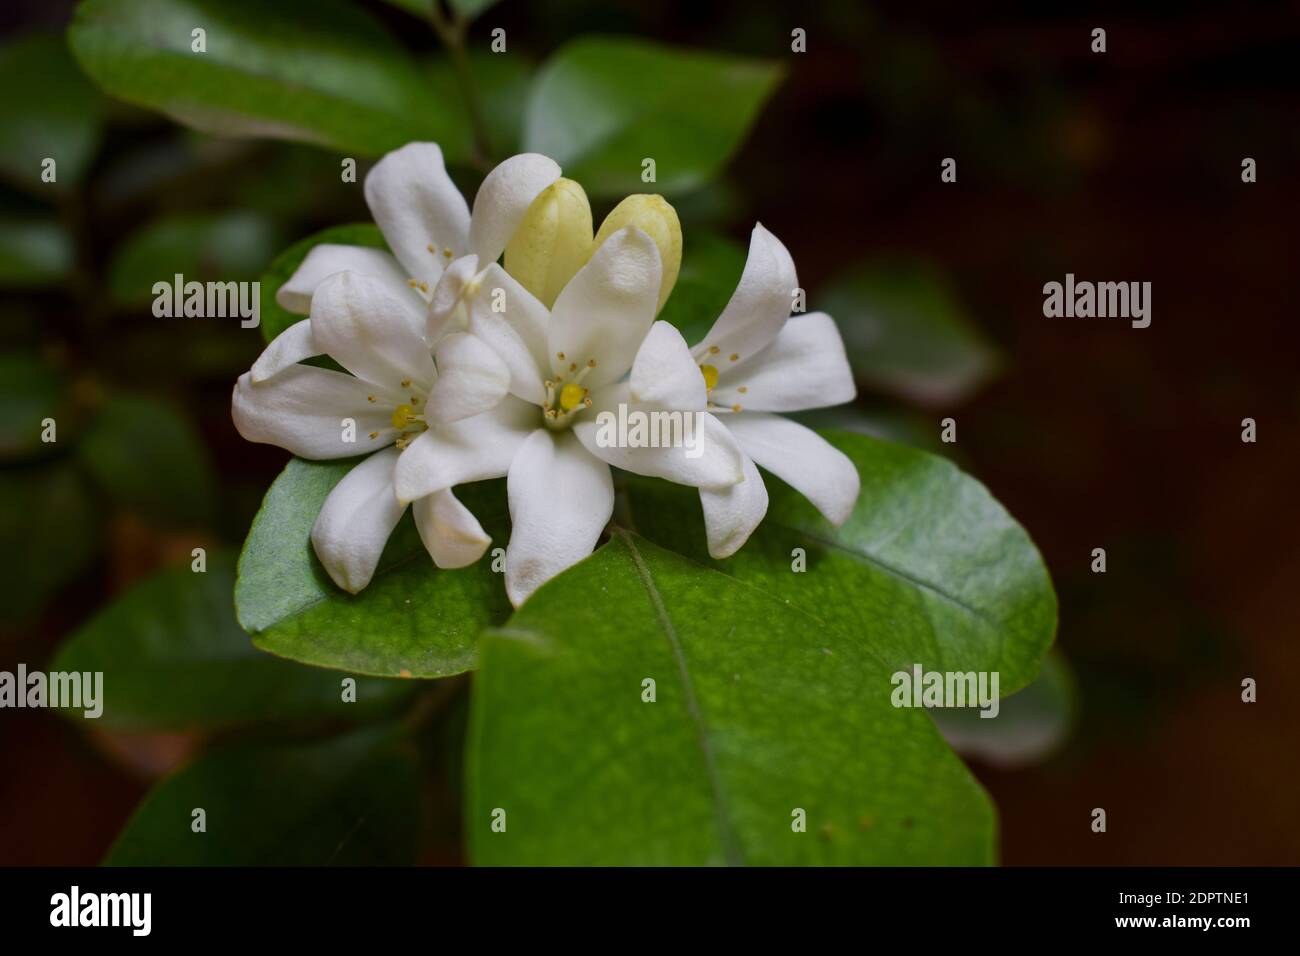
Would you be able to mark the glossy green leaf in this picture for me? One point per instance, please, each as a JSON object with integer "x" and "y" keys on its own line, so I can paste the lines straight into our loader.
{"x": 351, "y": 801}
{"x": 413, "y": 620}
{"x": 276, "y": 319}
{"x": 711, "y": 267}
{"x": 34, "y": 253}
{"x": 150, "y": 461}
{"x": 906, "y": 333}
{"x": 49, "y": 534}
{"x": 174, "y": 658}
{"x": 760, "y": 710}
{"x": 231, "y": 247}
{"x": 602, "y": 105}
{"x": 319, "y": 71}
{"x": 61, "y": 122}
{"x": 928, "y": 569}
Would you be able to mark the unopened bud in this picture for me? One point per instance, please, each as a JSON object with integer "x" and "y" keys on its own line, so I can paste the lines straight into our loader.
{"x": 653, "y": 215}
{"x": 552, "y": 242}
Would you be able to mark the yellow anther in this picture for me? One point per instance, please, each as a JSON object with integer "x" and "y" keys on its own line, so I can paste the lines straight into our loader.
{"x": 370, "y": 398}
{"x": 403, "y": 416}
{"x": 571, "y": 396}
{"x": 710, "y": 376}
{"x": 714, "y": 350}
{"x": 560, "y": 356}
{"x": 735, "y": 408}
{"x": 733, "y": 356}
{"x": 374, "y": 434}
{"x": 431, "y": 249}
{"x": 406, "y": 383}
{"x": 743, "y": 389}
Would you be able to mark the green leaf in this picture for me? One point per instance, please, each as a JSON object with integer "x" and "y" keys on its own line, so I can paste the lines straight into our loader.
{"x": 48, "y": 110}
{"x": 49, "y": 534}
{"x": 276, "y": 319}
{"x": 34, "y": 391}
{"x": 601, "y": 105}
{"x": 469, "y": 9}
{"x": 351, "y": 801}
{"x": 906, "y": 333}
{"x": 928, "y": 569}
{"x": 150, "y": 461}
{"x": 711, "y": 267}
{"x": 174, "y": 658}
{"x": 319, "y": 71}
{"x": 1029, "y": 727}
{"x": 413, "y": 620}
{"x": 760, "y": 709}
{"x": 231, "y": 247}
{"x": 34, "y": 253}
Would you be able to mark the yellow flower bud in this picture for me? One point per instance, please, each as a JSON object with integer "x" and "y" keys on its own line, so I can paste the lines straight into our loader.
{"x": 552, "y": 242}
{"x": 657, "y": 219}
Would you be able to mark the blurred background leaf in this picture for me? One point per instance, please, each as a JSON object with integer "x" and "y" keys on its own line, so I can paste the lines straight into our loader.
{"x": 34, "y": 253}
{"x": 48, "y": 109}
{"x": 906, "y": 334}
{"x": 318, "y": 71}
{"x": 711, "y": 267}
{"x": 174, "y": 658}
{"x": 351, "y": 801}
{"x": 33, "y": 391}
{"x": 601, "y": 105}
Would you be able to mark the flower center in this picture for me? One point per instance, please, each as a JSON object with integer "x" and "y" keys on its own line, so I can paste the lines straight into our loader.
{"x": 564, "y": 399}
{"x": 407, "y": 419}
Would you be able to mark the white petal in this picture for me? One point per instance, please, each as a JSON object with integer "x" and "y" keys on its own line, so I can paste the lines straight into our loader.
{"x": 471, "y": 449}
{"x": 417, "y": 206}
{"x": 471, "y": 379}
{"x": 355, "y": 521}
{"x": 449, "y": 530}
{"x": 732, "y": 514}
{"x": 560, "y": 500}
{"x": 504, "y": 197}
{"x": 359, "y": 324}
{"x": 607, "y": 308}
{"x": 450, "y": 293}
{"x": 802, "y": 459}
{"x": 289, "y": 347}
{"x": 805, "y": 367}
{"x": 693, "y": 448}
{"x": 305, "y": 410}
{"x": 664, "y": 374}
{"x": 517, "y": 333}
{"x": 325, "y": 260}
{"x": 759, "y": 306}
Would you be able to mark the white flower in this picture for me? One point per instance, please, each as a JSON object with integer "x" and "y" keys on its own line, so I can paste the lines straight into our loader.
{"x": 565, "y": 364}
{"x": 394, "y": 392}
{"x": 759, "y": 359}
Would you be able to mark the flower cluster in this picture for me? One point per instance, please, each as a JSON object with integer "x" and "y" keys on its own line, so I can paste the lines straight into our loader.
{"x": 458, "y": 368}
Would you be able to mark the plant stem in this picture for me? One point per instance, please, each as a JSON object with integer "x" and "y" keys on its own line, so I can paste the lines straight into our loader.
{"x": 434, "y": 701}
{"x": 451, "y": 31}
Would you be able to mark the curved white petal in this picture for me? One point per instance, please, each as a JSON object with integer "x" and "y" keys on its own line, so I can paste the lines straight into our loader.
{"x": 471, "y": 379}
{"x": 560, "y": 500}
{"x": 606, "y": 309}
{"x": 804, "y": 367}
{"x": 664, "y": 373}
{"x": 306, "y": 410}
{"x": 509, "y": 318}
{"x": 471, "y": 449}
{"x": 687, "y": 447}
{"x": 355, "y": 521}
{"x": 416, "y": 205}
{"x": 328, "y": 258}
{"x": 732, "y": 514}
{"x": 504, "y": 197}
{"x": 802, "y": 459}
{"x": 288, "y": 348}
{"x": 450, "y": 532}
{"x": 759, "y": 306}
{"x": 358, "y": 323}
{"x": 450, "y": 292}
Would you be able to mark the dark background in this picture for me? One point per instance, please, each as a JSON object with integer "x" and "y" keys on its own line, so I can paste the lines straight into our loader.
{"x": 1121, "y": 166}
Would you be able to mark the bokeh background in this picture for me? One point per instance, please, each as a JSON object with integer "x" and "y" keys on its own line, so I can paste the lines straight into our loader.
{"x": 1122, "y": 166}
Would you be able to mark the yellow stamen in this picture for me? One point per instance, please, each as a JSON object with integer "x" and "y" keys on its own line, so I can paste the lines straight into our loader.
{"x": 403, "y": 415}
{"x": 710, "y": 376}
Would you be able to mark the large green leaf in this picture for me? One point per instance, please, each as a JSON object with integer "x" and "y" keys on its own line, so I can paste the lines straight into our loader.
{"x": 906, "y": 333}
{"x": 760, "y": 710}
{"x": 174, "y": 658}
{"x": 231, "y": 247}
{"x": 150, "y": 461}
{"x": 929, "y": 568}
{"x": 413, "y": 620}
{"x": 602, "y": 105}
{"x": 61, "y": 122}
{"x": 320, "y": 71}
{"x": 276, "y": 319}
{"x": 351, "y": 801}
